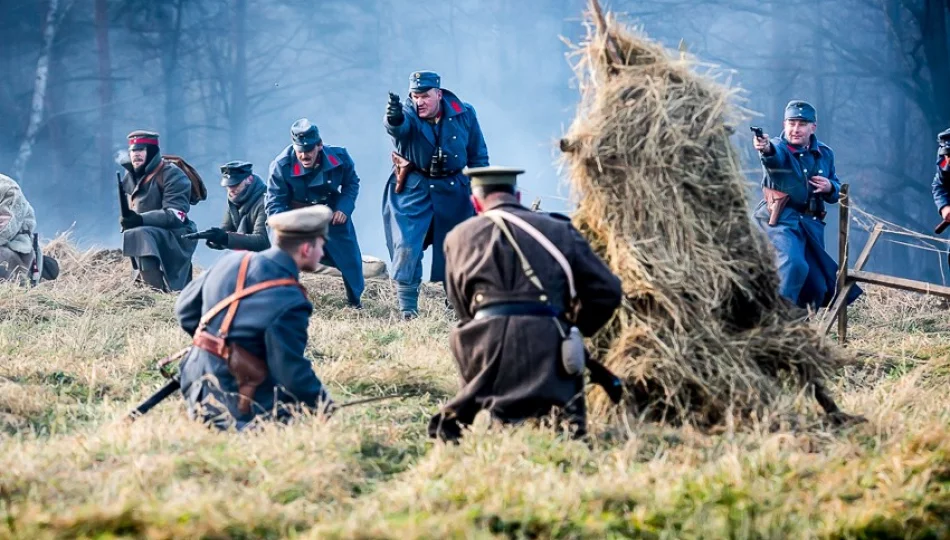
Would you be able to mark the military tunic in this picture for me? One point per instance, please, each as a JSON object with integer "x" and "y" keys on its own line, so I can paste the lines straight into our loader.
{"x": 424, "y": 202}
{"x": 246, "y": 220}
{"x": 271, "y": 324}
{"x": 511, "y": 365}
{"x": 164, "y": 210}
{"x": 334, "y": 183}
{"x": 807, "y": 273}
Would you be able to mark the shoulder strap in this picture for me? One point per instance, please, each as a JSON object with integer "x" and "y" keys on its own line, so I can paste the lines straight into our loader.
{"x": 231, "y": 301}
{"x": 541, "y": 239}
{"x": 528, "y": 270}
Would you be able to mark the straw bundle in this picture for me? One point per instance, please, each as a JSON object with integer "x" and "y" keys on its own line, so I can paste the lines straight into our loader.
{"x": 702, "y": 332}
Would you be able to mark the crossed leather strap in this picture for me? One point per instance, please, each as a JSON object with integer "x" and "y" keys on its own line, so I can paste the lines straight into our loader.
{"x": 249, "y": 370}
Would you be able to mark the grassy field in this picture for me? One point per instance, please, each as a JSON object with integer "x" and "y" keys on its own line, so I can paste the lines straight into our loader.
{"x": 79, "y": 353}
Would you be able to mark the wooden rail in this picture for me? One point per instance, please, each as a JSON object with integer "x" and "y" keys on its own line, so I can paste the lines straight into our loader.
{"x": 847, "y": 278}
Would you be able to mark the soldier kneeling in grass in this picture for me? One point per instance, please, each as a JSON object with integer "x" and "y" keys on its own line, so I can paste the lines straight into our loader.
{"x": 523, "y": 306}
{"x": 249, "y": 314}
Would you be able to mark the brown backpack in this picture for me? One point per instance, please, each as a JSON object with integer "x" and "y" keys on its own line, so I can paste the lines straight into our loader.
{"x": 198, "y": 190}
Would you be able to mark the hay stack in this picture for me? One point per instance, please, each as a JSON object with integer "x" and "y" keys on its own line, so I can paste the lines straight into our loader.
{"x": 702, "y": 331}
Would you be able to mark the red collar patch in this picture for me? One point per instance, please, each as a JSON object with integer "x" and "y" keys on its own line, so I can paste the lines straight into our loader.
{"x": 333, "y": 160}
{"x": 297, "y": 168}
{"x": 456, "y": 106}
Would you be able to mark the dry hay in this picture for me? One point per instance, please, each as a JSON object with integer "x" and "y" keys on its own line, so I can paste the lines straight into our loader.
{"x": 702, "y": 332}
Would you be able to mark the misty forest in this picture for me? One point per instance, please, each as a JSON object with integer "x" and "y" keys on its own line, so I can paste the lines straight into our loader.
{"x": 224, "y": 80}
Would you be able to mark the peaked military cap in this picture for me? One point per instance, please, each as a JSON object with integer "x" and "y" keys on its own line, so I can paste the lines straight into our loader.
{"x": 304, "y": 135}
{"x": 307, "y": 222}
{"x": 235, "y": 172}
{"x": 800, "y": 110}
{"x": 423, "y": 81}
{"x": 493, "y": 176}
{"x": 138, "y": 139}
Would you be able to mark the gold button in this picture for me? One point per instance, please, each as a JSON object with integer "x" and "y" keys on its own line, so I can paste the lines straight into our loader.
{"x": 544, "y": 298}
{"x": 478, "y": 297}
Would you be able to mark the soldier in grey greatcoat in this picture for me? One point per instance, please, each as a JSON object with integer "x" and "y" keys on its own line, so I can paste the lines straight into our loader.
{"x": 244, "y": 227}
{"x": 159, "y": 196}
{"x": 268, "y": 331}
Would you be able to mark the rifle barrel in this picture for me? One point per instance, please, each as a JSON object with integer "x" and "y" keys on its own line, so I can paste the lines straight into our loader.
{"x": 170, "y": 388}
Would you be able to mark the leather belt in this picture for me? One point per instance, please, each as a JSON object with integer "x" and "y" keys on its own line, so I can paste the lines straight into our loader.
{"x": 509, "y": 309}
{"x": 803, "y": 209}
{"x": 448, "y": 174}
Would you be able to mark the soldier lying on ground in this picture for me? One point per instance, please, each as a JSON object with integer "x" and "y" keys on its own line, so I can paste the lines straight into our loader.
{"x": 20, "y": 255}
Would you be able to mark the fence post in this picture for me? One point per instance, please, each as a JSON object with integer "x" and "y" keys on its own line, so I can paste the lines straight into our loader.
{"x": 844, "y": 226}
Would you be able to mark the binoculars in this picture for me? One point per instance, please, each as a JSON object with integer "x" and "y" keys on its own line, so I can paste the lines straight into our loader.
{"x": 437, "y": 163}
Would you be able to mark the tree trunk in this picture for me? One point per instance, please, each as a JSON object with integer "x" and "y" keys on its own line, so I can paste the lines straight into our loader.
{"x": 239, "y": 104}
{"x": 39, "y": 92}
{"x": 934, "y": 36}
{"x": 106, "y": 164}
{"x": 176, "y": 138}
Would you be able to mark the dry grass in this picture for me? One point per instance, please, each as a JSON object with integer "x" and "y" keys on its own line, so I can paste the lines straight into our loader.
{"x": 78, "y": 353}
{"x": 703, "y": 333}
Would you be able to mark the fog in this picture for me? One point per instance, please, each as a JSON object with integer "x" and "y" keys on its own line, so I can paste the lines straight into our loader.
{"x": 224, "y": 79}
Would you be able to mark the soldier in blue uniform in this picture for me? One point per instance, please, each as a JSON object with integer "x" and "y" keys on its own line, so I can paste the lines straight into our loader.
{"x": 247, "y": 360}
{"x": 245, "y": 223}
{"x": 799, "y": 179}
{"x": 435, "y": 137}
{"x": 942, "y": 177}
{"x": 308, "y": 172}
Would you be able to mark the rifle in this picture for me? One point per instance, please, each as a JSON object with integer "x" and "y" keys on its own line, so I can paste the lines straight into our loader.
{"x": 200, "y": 235}
{"x": 603, "y": 377}
{"x": 174, "y": 384}
{"x": 36, "y": 272}
{"x": 123, "y": 201}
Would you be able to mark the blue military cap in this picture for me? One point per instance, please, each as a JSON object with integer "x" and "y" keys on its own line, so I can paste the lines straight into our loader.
{"x": 493, "y": 175}
{"x": 304, "y": 135}
{"x": 423, "y": 81}
{"x": 800, "y": 110}
{"x": 235, "y": 172}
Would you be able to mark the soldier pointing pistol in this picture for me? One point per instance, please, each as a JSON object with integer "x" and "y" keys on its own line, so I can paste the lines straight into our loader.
{"x": 799, "y": 179}
{"x": 435, "y": 137}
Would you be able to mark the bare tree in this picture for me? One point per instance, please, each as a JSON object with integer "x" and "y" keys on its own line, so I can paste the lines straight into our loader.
{"x": 54, "y": 17}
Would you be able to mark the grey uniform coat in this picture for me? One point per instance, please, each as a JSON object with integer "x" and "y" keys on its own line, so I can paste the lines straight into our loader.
{"x": 246, "y": 220}
{"x": 164, "y": 210}
{"x": 271, "y": 324}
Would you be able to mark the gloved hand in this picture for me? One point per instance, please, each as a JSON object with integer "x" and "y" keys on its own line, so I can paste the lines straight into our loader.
{"x": 394, "y": 113}
{"x": 131, "y": 221}
{"x": 212, "y": 245}
{"x": 217, "y": 235}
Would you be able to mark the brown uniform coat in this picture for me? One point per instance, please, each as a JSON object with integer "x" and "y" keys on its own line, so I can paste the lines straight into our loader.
{"x": 511, "y": 364}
